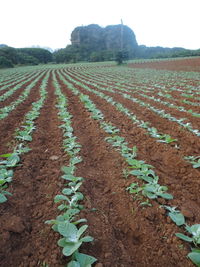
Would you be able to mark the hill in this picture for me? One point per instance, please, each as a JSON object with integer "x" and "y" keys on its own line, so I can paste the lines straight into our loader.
{"x": 94, "y": 43}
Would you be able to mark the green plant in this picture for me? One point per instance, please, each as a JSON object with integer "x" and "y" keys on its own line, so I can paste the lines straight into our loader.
{"x": 194, "y": 256}
{"x": 194, "y": 232}
{"x": 81, "y": 260}
{"x": 154, "y": 190}
{"x": 72, "y": 239}
{"x": 175, "y": 215}
{"x": 195, "y": 161}
{"x": 134, "y": 188}
{"x": 125, "y": 173}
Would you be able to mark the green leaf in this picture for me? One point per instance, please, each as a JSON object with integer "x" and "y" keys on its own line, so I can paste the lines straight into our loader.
{"x": 81, "y": 230}
{"x": 13, "y": 160}
{"x": 136, "y": 172}
{"x": 196, "y": 165}
{"x": 194, "y": 256}
{"x": 68, "y": 170}
{"x": 67, "y": 191}
{"x": 150, "y": 188}
{"x": 195, "y": 228}
{"x": 2, "y": 198}
{"x": 75, "y": 160}
{"x": 6, "y": 155}
{"x": 80, "y": 221}
{"x": 73, "y": 264}
{"x": 166, "y": 196}
{"x": 177, "y": 217}
{"x": 77, "y": 186}
{"x": 184, "y": 237}
{"x": 87, "y": 239}
{"x": 68, "y": 177}
{"x": 62, "y": 207}
{"x": 70, "y": 248}
{"x": 150, "y": 195}
{"x": 59, "y": 198}
{"x": 84, "y": 259}
{"x": 62, "y": 242}
{"x": 68, "y": 230}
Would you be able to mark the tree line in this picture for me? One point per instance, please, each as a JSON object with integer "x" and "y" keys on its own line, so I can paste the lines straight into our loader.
{"x": 10, "y": 56}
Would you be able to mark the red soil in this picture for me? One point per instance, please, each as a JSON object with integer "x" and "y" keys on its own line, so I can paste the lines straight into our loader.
{"x": 125, "y": 234}
{"x": 189, "y": 64}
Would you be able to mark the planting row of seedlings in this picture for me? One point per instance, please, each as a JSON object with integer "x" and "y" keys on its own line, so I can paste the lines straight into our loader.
{"x": 142, "y": 171}
{"x": 16, "y": 80}
{"x": 161, "y": 80}
{"x": 133, "y": 222}
{"x": 8, "y": 76}
{"x": 27, "y": 239}
{"x": 120, "y": 235}
{"x": 67, "y": 223}
{"x": 15, "y": 117}
{"x": 166, "y": 115}
{"x": 122, "y": 81}
{"x": 151, "y": 130}
{"x": 194, "y": 160}
{"x": 11, "y": 160}
{"x": 25, "y": 135}
{"x": 175, "y": 98}
{"x": 139, "y": 90}
{"x": 4, "y": 112}
{"x": 18, "y": 86}
{"x": 13, "y": 75}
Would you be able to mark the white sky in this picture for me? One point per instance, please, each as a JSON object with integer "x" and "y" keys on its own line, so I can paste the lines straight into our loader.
{"x": 168, "y": 23}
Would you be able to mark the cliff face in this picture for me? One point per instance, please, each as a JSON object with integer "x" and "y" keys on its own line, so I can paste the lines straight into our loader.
{"x": 118, "y": 36}
{"x": 96, "y": 38}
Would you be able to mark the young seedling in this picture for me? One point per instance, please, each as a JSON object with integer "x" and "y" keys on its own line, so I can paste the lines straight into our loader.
{"x": 72, "y": 239}
{"x": 154, "y": 190}
{"x": 195, "y": 161}
{"x": 194, "y": 232}
{"x": 81, "y": 260}
{"x": 126, "y": 173}
{"x": 175, "y": 215}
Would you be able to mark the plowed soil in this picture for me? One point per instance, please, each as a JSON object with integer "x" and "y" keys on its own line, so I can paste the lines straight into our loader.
{"x": 125, "y": 233}
{"x": 189, "y": 64}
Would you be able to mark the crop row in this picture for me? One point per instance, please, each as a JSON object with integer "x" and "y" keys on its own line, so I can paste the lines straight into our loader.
{"x": 166, "y": 138}
{"x": 7, "y": 109}
{"x": 144, "y": 172}
{"x": 129, "y": 88}
{"x": 161, "y": 112}
{"x": 72, "y": 236}
{"x": 135, "y": 84}
{"x": 16, "y": 80}
{"x": 141, "y": 89}
{"x": 11, "y": 91}
{"x": 152, "y": 79}
{"x": 23, "y": 136}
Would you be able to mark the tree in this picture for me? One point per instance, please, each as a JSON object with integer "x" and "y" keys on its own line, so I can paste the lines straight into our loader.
{"x": 26, "y": 59}
{"x": 9, "y": 53}
{"x": 42, "y": 55}
{"x": 121, "y": 56}
{"x": 5, "y": 63}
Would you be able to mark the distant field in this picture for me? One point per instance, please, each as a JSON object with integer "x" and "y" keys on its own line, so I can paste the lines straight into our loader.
{"x": 176, "y": 64}
{"x": 132, "y": 132}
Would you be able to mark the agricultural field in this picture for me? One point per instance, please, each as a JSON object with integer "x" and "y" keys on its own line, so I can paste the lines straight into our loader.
{"x": 100, "y": 165}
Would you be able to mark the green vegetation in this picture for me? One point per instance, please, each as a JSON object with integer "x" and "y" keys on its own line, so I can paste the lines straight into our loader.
{"x": 10, "y": 56}
{"x": 92, "y": 43}
{"x": 115, "y": 42}
{"x": 65, "y": 224}
{"x": 195, "y": 161}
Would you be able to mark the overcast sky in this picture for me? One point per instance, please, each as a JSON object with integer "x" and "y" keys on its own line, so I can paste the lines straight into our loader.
{"x": 49, "y": 23}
